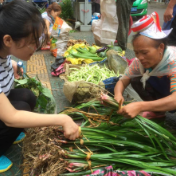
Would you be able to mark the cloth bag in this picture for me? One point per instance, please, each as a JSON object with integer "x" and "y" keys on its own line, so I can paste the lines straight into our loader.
{"x": 105, "y": 29}
{"x": 59, "y": 37}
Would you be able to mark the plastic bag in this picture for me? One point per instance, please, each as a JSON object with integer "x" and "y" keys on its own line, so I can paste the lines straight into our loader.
{"x": 59, "y": 37}
{"x": 81, "y": 91}
{"x": 105, "y": 29}
{"x": 116, "y": 62}
{"x": 167, "y": 66}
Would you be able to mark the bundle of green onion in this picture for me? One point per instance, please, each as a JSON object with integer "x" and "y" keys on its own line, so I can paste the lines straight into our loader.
{"x": 106, "y": 139}
{"x": 127, "y": 144}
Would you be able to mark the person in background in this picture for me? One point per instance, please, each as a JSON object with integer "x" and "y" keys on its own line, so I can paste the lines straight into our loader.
{"x": 170, "y": 22}
{"x": 123, "y": 14}
{"x": 49, "y": 17}
{"x": 20, "y": 36}
{"x": 152, "y": 74}
{"x": 95, "y": 6}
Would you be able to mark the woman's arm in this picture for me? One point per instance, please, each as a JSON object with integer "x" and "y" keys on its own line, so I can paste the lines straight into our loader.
{"x": 168, "y": 14}
{"x": 24, "y": 119}
{"x": 161, "y": 105}
{"x": 165, "y": 104}
{"x": 48, "y": 27}
{"x": 119, "y": 89}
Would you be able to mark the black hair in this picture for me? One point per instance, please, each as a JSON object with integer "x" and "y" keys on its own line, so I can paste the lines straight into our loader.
{"x": 19, "y": 19}
{"x": 157, "y": 42}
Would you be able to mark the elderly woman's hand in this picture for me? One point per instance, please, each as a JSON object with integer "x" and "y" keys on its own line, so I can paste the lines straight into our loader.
{"x": 131, "y": 110}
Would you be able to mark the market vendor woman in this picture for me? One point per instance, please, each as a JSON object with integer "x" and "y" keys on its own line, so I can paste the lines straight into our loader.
{"x": 153, "y": 72}
{"x": 53, "y": 11}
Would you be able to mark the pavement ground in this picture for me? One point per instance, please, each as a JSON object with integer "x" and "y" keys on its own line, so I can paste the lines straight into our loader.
{"x": 40, "y": 64}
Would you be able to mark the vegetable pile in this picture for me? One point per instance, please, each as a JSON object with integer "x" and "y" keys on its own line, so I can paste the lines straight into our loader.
{"x": 88, "y": 54}
{"x": 93, "y": 74}
{"x": 45, "y": 100}
{"x": 106, "y": 139}
{"x": 83, "y": 51}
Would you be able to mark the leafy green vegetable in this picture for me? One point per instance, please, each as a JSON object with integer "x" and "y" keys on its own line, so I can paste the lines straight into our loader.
{"x": 84, "y": 53}
{"x": 92, "y": 50}
{"x": 45, "y": 100}
{"x": 115, "y": 48}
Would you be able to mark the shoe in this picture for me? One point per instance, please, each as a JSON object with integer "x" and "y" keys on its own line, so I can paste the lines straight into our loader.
{"x": 20, "y": 138}
{"x": 5, "y": 164}
{"x": 152, "y": 115}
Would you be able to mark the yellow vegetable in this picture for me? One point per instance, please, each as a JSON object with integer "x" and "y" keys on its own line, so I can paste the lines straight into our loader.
{"x": 77, "y": 61}
{"x": 79, "y": 45}
{"x": 121, "y": 53}
{"x": 97, "y": 47}
{"x": 66, "y": 53}
{"x": 69, "y": 48}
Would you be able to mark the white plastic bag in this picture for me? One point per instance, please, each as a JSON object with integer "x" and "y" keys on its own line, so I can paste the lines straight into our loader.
{"x": 105, "y": 29}
{"x": 60, "y": 32}
{"x": 132, "y": 93}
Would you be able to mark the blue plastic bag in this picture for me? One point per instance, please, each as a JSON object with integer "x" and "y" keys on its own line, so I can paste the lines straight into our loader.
{"x": 110, "y": 83}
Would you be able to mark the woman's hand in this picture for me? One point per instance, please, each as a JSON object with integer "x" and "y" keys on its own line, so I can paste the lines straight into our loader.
{"x": 15, "y": 69}
{"x": 168, "y": 15}
{"x": 71, "y": 129}
{"x": 131, "y": 110}
{"x": 119, "y": 98}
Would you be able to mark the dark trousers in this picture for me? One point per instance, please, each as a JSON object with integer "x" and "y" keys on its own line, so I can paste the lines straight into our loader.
{"x": 21, "y": 99}
{"x": 149, "y": 93}
{"x": 171, "y": 39}
{"x": 123, "y": 13}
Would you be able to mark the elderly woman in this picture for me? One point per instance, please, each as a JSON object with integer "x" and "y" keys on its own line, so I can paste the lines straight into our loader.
{"x": 152, "y": 74}
{"x": 53, "y": 11}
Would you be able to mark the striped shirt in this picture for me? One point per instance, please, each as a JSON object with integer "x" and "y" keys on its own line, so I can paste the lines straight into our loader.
{"x": 6, "y": 75}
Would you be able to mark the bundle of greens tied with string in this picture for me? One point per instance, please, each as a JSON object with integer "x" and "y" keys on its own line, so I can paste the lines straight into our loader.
{"x": 106, "y": 138}
{"x": 45, "y": 100}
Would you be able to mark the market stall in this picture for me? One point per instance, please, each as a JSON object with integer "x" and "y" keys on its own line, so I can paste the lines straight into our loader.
{"x": 108, "y": 142}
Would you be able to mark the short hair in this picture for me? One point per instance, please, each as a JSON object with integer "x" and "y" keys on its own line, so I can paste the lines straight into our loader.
{"x": 54, "y": 6}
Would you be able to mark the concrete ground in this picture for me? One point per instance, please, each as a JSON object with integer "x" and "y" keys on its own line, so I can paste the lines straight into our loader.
{"x": 56, "y": 84}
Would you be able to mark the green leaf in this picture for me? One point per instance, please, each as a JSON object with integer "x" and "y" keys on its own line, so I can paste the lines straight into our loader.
{"x": 47, "y": 93}
{"x": 21, "y": 81}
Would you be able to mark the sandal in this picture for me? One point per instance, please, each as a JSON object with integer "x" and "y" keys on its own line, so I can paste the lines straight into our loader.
{"x": 152, "y": 115}
{"x": 20, "y": 138}
{"x": 47, "y": 47}
{"x": 5, "y": 164}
